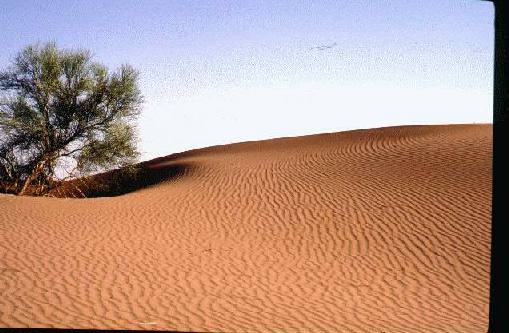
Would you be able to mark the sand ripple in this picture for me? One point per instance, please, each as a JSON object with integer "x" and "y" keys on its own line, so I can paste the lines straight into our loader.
{"x": 383, "y": 230}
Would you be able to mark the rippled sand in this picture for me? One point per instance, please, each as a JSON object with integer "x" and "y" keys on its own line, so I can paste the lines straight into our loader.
{"x": 380, "y": 230}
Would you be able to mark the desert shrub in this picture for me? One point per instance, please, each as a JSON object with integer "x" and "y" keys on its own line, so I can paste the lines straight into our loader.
{"x": 61, "y": 112}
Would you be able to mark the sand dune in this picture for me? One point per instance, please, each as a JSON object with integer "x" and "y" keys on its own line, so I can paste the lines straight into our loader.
{"x": 381, "y": 230}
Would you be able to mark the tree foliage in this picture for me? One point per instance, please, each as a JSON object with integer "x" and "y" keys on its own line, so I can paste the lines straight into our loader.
{"x": 59, "y": 108}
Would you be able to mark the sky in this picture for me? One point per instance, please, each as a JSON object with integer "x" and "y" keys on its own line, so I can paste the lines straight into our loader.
{"x": 218, "y": 72}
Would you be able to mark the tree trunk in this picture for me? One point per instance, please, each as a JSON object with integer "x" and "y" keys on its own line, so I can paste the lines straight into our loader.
{"x": 36, "y": 172}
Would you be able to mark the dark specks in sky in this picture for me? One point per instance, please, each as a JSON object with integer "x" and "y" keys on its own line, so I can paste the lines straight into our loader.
{"x": 324, "y": 47}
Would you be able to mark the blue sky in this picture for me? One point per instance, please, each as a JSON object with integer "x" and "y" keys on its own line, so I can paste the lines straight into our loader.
{"x": 215, "y": 72}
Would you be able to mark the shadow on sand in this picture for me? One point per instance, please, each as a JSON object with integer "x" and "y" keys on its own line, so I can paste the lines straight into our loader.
{"x": 121, "y": 181}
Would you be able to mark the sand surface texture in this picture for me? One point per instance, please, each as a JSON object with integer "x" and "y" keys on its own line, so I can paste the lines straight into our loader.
{"x": 381, "y": 230}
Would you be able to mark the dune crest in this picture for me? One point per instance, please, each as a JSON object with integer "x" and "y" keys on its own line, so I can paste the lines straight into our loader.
{"x": 379, "y": 230}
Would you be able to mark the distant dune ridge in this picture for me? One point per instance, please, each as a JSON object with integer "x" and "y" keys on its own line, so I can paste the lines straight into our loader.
{"x": 379, "y": 230}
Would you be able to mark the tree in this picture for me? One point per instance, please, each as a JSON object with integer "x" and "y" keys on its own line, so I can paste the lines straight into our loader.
{"x": 59, "y": 108}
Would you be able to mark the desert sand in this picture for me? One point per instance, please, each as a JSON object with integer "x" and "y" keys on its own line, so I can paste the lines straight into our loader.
{"x": 379, "y": 230}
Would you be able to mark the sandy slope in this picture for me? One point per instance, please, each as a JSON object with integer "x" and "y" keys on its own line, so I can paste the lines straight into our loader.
{"x": 383, "y": 230}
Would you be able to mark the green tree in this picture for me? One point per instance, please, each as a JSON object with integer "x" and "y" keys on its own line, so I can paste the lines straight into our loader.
{"x": 58, "y": 108}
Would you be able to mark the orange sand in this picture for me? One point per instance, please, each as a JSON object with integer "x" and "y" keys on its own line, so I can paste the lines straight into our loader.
{"x": 380, "y": 230}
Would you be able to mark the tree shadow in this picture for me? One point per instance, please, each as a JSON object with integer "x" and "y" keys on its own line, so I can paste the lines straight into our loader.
{"x": 121, "y": 181}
